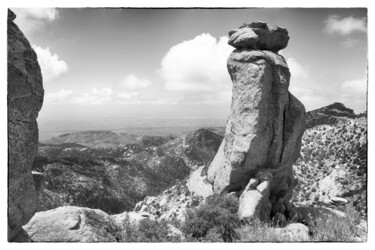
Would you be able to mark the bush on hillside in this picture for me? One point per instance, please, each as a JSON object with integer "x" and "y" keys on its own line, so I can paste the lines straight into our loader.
{"x": 147, "y": 231}
{"x": 217, "y": 216}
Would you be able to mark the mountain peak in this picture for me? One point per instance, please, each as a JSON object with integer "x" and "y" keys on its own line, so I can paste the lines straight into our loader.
{"x": 329, "y": 115}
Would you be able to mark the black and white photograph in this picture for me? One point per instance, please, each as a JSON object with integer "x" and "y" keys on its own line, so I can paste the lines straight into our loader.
{"x": 209, "y": 124}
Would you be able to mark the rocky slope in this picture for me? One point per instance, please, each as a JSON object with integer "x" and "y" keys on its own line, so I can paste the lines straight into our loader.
{"x": 331, "y": 174}
{"x": 114, "y": 179}
{"x": 332, "y": 170}
{"x": 25, "y": 98}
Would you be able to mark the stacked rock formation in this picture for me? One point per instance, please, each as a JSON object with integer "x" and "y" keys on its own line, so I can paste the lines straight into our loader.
{"x": 25, "y": 98}
{"x": 265, "y": 127}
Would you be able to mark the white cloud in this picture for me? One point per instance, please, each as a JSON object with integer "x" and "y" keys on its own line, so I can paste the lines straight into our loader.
{"x": 31, "y": 20}
{"x": 353, "y": 93}
{"x": 357, "y": 87}
{"x": 344, "y": 26}
{"x": 296, "y": 69}
{"x": 198, "y": 64}
{"x": 126, "y": 95}
{"x": 133, "y": 82}
{"x": 310, "y": 95}
{"x": 60, "y": 97}
{"x": 95, "y": 96}
{"x": 50, "y": 64}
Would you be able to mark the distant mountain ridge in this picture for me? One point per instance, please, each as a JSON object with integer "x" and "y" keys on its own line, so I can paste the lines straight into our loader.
{"x": 329, "y": 115}
{"x": 106, "y": 138}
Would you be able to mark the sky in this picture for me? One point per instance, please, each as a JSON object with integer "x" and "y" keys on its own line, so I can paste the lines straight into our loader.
{"x": 100, "y": 63}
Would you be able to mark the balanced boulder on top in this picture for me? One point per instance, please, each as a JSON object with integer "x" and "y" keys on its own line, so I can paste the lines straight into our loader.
{"x": 259, "y": 35}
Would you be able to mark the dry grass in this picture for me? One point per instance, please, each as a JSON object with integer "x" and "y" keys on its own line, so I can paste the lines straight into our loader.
{"x": 339, "y": 229}
{"x": 259, "y": 232}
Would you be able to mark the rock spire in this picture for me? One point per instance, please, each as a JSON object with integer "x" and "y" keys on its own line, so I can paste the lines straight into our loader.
{"x": 263, "y": 134}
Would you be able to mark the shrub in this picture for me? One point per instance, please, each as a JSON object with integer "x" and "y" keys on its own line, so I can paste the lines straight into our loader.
{"x": 217, "y": 216}
{"x": 195, "y": 202}
{"x": 147, "y": 231}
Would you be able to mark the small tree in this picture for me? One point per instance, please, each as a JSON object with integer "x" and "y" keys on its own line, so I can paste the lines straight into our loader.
{"x": 218, "y": 214}
{"x": 147, "y": 231}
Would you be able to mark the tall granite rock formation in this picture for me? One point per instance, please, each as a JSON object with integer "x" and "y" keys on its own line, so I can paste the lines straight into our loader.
{"x": 25, "y": 98}
{"x": 263, "y": 134}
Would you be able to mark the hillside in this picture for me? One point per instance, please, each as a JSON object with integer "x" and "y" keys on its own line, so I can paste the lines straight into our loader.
{"x": 331, "y": 173}
{"x": 92, "y": 138}
{"x": 113, "y": 179}
{"x": 329, "y": 115}
{"x": 332, "y": 169}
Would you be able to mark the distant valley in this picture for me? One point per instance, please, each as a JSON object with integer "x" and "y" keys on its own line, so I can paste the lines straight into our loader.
{"x": 113, "y": 171}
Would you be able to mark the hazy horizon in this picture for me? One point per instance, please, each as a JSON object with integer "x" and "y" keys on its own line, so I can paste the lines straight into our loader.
{"x": 109, "y": 66}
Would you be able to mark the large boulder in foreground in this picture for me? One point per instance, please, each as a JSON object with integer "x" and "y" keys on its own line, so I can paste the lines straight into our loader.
{"x": 80, "y": 224}
{"x": 72, "y": 224}
{"x": 25, "y": 98}
{"x": 265, "y": 127}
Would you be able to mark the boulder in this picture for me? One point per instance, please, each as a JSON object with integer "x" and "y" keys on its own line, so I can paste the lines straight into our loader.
{"x": 25, "y": 98}
{"x": 265, "y": 126}
{"x": 259, "y": 36}
{"x": 80, "y": 224}
{"x": 254, "y": 201}
{"x": 72, "y": 224}
{"x": 339, "y": 200}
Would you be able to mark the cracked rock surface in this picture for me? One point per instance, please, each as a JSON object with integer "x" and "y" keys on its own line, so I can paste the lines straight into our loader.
{"x": 25, "y": 98}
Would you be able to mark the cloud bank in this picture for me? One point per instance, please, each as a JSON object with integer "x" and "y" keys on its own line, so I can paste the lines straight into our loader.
{"x": 51, "y": 65}
{"x": 197, "y": 65}
{"x": 344, "y": 26}
{"x": 31, "y": 20}
{"x": 133, "y": 82}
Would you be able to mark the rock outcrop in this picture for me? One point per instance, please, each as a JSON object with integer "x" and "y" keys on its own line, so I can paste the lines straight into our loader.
{"x": 72, "y": 224}
{"x": 265, "y": 127}
{"x": 80, "y": 224}
{"x": 25, "y": 98}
